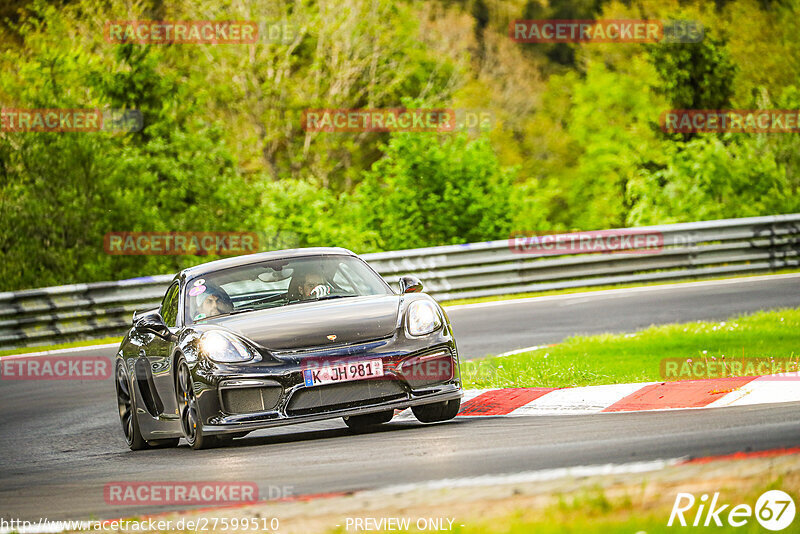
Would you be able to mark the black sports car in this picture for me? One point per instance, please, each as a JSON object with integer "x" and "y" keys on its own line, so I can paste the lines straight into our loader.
{"x": 283, "y": 337}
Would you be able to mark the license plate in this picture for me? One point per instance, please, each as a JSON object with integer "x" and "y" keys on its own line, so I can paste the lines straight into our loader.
{"x": 343, "y": 372}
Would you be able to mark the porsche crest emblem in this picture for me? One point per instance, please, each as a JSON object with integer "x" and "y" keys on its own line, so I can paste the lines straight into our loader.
{"x": 332, "y": 337}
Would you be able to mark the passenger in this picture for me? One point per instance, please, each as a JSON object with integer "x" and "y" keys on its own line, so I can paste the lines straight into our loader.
{"x": 213, "y": 301}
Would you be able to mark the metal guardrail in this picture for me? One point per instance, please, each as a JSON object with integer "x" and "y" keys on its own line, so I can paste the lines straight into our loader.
{"x": 690, "y": 250}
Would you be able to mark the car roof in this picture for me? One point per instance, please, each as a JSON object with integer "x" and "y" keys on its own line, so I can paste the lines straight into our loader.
{"x": 213, "y": 266}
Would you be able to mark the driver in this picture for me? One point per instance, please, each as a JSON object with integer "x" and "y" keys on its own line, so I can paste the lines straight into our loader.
{"x": 312, "y": 286}
{"x": 213, "y": 301}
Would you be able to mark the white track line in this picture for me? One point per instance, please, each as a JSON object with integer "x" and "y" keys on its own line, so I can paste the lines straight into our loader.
{"x": 577, "y": 401}
{"x": 64, "y": 351}
{"x": 520, "y": 351}
{"x": 763, "y": 390}
{"x": 531, "y": 476}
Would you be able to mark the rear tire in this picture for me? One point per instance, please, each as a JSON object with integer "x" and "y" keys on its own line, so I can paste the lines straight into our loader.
{"x": 436, "y": 412}
{"x": 359, "y": 422}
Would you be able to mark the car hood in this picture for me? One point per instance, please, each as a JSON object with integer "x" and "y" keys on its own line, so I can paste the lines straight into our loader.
{"x": 308, "y": 324}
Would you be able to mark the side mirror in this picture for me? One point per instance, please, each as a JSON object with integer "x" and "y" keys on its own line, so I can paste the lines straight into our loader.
{"x": 410, "y": 284}
{"x": 153, "y": 323}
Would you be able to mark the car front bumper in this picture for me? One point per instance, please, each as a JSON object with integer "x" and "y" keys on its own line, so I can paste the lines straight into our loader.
{"x": 246, "y": 397}
{"x": 267, "y": 420}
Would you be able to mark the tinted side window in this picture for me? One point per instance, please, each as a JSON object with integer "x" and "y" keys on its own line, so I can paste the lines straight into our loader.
{"x": 348, "y": 277}
{"x": 169, "y": 306}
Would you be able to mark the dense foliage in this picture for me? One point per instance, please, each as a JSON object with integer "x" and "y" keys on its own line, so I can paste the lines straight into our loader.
{"x": 575, "y": 142}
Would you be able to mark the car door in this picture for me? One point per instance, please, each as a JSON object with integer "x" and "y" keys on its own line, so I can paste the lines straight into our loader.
{"x": 159, "y": 355}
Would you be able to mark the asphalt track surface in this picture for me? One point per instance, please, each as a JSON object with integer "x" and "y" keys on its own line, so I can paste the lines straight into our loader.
{"x": 492, "y": 328}
{"x": 61, "y": 443}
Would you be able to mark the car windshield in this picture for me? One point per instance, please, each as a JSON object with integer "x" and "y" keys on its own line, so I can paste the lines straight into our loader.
{"x": 275, "y": 283}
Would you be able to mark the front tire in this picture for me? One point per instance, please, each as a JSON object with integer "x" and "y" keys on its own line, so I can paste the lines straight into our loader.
{"x": 436, "y": 412}
{"x": 127, "y": 411}
{"x": 191, "y": 419}
{"x": 361, "y": 422}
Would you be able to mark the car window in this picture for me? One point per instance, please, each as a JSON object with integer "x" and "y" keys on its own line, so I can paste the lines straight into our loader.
{"x": 169, "y": 306}
{"x": 351, "y": 279}
{"x": 343, "y": 281}
{"x": 275, "y": 283}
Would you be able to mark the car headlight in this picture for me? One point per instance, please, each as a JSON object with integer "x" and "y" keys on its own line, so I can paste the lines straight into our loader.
{"x": 423, "y": 318}
{"x": 223, "y": 348}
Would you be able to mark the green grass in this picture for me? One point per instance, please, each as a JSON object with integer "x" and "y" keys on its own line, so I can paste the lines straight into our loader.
{"x": 624, "y": 358}
{"x": 572, "y": 290}
{"x": 592, "y": 511}
{"x": 85, "y": 343}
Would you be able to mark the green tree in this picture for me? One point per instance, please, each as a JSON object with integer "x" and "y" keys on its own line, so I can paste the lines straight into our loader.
{"x": 695, "y": 75}
{"x": 428, "y": 190}
{"x": 62, "y": 192}
{"x": 613, "y": 123}
{"x": 711, "y": 178}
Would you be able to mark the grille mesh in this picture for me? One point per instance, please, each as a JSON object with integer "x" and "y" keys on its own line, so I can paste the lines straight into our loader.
{"x": 346, "y": 394}
{"x": 249, "y": 400}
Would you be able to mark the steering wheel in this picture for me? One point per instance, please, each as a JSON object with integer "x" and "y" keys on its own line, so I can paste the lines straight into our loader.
{"x": 271, "y": 298}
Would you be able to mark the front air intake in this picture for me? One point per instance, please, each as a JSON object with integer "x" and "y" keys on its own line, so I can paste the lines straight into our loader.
{"x": 250, "y": 399}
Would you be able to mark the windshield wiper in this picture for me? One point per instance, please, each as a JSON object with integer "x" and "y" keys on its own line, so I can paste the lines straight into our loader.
{"x": 240, "y": 310}
{"x": 233, "y": 312}
{"x": 329, "y": 297}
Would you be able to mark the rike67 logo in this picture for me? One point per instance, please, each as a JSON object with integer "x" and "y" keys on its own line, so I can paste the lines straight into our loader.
{"x": 774, "y": 510}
